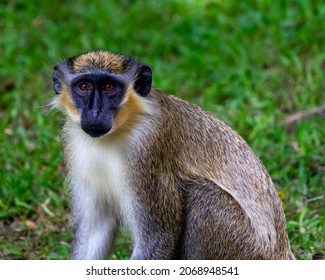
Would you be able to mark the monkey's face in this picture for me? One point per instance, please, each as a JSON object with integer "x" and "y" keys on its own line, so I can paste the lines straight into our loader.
{"x": 97, "y": 98}
{"x": 92, "y": 88}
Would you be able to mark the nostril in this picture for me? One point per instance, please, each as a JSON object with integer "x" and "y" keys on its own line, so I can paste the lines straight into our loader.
{"x": 95, "y": 113}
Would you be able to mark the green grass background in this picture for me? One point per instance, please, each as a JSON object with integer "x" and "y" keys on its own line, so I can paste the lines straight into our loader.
{"x": 251, "y": 63}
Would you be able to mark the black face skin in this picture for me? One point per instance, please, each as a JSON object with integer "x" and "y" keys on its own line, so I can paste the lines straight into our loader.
{"x": 98, "y": 97}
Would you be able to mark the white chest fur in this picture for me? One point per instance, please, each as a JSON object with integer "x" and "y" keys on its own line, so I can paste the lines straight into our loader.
{"x": 100, "y": 167}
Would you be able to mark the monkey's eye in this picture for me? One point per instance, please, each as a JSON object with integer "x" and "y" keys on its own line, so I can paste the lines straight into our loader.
{"x": 108, "y": 87}
{"x": 84, "y": 86}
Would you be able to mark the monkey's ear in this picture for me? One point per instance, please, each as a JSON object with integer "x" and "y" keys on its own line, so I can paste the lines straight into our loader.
{"x": 143, "y": 80}
{"x": 56, "y": 79}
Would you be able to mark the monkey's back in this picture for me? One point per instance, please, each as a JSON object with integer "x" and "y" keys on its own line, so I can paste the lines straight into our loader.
{"x": 226, "y": 187}
{"x": 205, "y": 145}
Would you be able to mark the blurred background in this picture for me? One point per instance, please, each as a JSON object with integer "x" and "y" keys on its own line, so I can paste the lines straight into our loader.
{"x": 257, "y": 65}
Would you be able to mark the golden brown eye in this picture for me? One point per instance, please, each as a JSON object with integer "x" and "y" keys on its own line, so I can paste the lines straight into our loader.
{"x": 109, "y": 87}
{"x": 84, "y": 87}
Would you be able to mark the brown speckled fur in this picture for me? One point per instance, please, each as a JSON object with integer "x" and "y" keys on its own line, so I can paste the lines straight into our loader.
{"x": 187, "y": 147}
{"x": 99, "y": 60}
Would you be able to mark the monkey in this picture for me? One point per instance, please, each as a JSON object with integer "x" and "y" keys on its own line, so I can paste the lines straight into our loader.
{"x": 184, "y": 183}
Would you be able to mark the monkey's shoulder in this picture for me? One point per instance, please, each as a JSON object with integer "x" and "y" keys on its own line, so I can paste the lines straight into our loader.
{"x": 194, "y": 122}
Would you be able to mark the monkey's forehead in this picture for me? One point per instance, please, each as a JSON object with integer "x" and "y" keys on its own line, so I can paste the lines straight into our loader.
{"x": 99, "y": 60}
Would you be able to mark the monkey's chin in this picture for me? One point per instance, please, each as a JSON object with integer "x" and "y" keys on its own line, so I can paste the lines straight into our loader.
{"x": 96, "y": 133}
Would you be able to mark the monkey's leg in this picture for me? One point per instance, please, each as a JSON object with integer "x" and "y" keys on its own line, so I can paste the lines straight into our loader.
{"x": 95, "y": 226}
{"x": 216, "y": 226}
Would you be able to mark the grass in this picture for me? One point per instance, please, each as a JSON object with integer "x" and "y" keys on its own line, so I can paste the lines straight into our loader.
{"x": 251, "y": 63}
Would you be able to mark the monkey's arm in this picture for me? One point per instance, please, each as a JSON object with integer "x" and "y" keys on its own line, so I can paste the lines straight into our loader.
{"x": 155, "y": 245}
{"x": 159, "y": 222}
{"x": 95, "y": 226}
